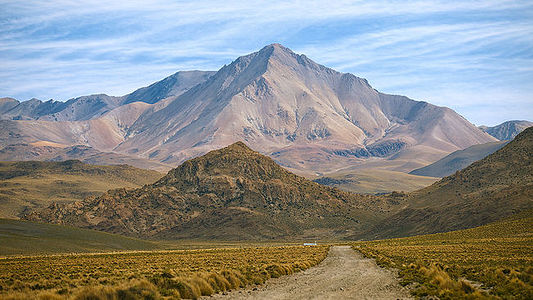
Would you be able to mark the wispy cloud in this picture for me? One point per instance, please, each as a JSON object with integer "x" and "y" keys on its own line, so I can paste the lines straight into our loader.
{"x": 454, "y": 53}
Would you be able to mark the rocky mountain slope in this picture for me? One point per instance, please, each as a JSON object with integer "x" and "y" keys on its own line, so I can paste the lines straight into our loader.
{"x": 458, "y": 160}
{"x": 490, "y": 189}
{"x": 33, "y": 185}
{"x": 231, "y": 193}
{"x": 309, "y": 118}
{"x": 507, "y": 130}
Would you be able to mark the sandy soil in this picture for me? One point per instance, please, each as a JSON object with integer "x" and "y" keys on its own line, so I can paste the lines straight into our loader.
{"x": 344, "y": 274}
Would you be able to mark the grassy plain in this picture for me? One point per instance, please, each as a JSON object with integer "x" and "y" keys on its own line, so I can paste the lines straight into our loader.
{"x": 491, "y": 261}
{"x": 29, "y": 238}
{"x": 150, "y": 274}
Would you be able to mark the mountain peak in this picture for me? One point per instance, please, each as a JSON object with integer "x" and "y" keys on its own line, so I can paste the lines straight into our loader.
{"x": 276, "y": 47}
{"x": 236, "y": 159}
{"x": 278, "y": 52}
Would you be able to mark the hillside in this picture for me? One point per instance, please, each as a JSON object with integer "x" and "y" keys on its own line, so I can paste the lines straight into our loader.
{"x": 488, "y": 190}
{"x": 27, "y": 238}
{"x": 458, "y": 160}
{"x": 507, "y": 130}
{"x": 233, "y": 193}
{"x": 33, "y": 185}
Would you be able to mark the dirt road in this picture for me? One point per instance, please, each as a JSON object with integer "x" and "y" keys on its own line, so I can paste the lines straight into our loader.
{"x": 344, "y": 274}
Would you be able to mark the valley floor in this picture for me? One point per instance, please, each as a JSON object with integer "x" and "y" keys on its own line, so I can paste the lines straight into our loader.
{"x": 344, "y": 274}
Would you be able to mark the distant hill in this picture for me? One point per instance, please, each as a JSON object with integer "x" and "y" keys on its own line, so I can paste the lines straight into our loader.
{"x": 32, "y": 184}
{"x": 232, "y": 193}
{"x": 507, "y": 130}
{"x": 488, "y": 190}
{"x": 29, "y": 238}
{"x": 47, "y": 151}
{"x": 458, "y": 160}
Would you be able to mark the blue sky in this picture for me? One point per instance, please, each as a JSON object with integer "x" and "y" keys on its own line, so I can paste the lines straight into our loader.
{"x": 473, "y": 56}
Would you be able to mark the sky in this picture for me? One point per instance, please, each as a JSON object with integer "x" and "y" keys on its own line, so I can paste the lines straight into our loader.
{"x": 475, "y": 57}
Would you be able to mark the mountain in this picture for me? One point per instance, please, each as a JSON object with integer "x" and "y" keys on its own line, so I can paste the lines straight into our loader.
{"x": 309, "y": 118}
{"x": 232, "y": 193}
{"x": 507, "y": 130}
{"x": 458, "y": 160}
{"x": 488, "y": 190}
{"x": 33, "y": 185}
{"x": 306, "y": 116}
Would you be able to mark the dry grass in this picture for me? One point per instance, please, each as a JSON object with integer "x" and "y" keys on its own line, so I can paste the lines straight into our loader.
{"x": 150, "y": 275}
{"x": 375, "y": 181}
{"x": 492, "y": 261}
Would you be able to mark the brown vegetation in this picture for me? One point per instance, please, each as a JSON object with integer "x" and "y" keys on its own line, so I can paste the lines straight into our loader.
{"x": 150, "y": 275}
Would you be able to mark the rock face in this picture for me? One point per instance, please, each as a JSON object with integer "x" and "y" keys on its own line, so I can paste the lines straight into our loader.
{"x": 507, "y": 130}
{"x": 308, "y": 117}
{"x": 458, "y": 160}
{"x": 490, "y": 189}
{"x": 231, "y": 193}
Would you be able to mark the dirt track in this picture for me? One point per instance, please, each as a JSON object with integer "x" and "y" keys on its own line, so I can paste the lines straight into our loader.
{"x": 344, "y": 274}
